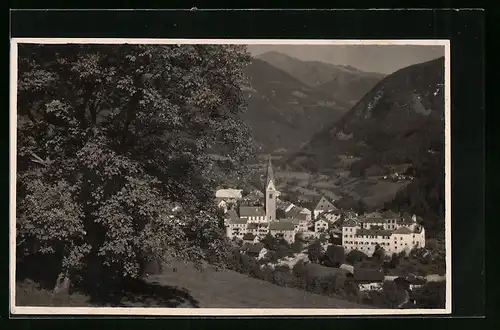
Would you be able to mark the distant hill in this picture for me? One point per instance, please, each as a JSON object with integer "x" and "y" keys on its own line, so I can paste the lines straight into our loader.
{"x": 344, "y": 83}
{"x": 399, "y": 121}
{"x": 283, "y": 111}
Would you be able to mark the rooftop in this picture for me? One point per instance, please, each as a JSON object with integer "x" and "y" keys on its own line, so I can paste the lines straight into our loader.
{"x": 248, "y": 237}
{"x": 403, "y": 230}
{"x": 255, "y": 248}
{"x": 390, "y": 214}
{"x": 368, "y": 275}
{"x": 252, "y": 211}
{"x": 324, "y": 205}
{"x": 254, "y": 225}
{"x": 281, "y": 225}
{"x": 234, "y": 218}
{"x": 316, "y": 270}
{"x": 229, "y": 193}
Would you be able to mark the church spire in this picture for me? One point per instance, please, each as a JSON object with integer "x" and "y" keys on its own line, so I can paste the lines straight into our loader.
{"x": 270, "y": 173}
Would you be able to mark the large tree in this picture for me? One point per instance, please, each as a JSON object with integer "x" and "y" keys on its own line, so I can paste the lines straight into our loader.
{"x": 115, "y": 147}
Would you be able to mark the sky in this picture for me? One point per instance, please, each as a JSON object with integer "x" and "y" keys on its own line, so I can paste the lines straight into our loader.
{"x": 371, "y": 58}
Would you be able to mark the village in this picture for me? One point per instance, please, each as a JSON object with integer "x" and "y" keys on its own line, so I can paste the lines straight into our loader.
{"x": 346, "y": 240}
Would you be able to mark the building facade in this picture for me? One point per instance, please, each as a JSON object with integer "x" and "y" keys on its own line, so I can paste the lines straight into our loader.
{"x": 390, "y": 231}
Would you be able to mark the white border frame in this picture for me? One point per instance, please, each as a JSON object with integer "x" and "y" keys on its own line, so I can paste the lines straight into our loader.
{"x": 138, "y": 311}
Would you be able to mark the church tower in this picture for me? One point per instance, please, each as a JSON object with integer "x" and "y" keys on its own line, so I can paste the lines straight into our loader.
{"x": 271, "y": 193}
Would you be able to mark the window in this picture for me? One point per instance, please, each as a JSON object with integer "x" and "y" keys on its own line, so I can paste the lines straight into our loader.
{"x": 270, "y": 196}
{"x": 401, "y": 238}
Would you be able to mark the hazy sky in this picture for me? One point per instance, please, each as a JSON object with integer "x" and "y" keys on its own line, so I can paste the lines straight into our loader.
{"x": 372, "y": 58}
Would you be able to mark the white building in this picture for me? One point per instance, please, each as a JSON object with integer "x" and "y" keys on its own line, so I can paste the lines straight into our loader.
{"x": 390, "y": 231}
{"x": 321, "y": 225}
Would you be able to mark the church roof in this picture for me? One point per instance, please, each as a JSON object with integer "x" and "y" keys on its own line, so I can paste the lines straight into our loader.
{"x": 269, "y": 173}
{"x": 252, "y": 211}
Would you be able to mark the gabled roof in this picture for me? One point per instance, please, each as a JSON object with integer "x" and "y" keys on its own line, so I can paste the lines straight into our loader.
{"x": 249, "y": 237}
{"x": 255, "y": 248}
{"x": 374, "y": 217}
{"x": 324, "y": 205}
{"x": 390, "y": 214}
{"x": 402, "y": 230}
{"x": 234, "y": 218}
{"x": 368, "y": 275}
{"x": 281, "y": 225}
{"x": 321, "y": 219}
{"x": 252, "y": 211}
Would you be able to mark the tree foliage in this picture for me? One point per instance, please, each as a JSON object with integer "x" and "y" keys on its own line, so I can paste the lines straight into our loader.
{"x": 315, "y": 251}
{"x": 114, "y": 146}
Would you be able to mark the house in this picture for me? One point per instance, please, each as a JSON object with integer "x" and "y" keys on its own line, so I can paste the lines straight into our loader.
{"x": 260, "y": 229}
{"x": 331, "y": 216}
{"x": 320, "y": 226}
{"x": 368, "y": 279}
{"x": 299, "y": 215}
{"x": 323, "y": 205}
{"x": 284, "y": 229}
{"x": 235, "y": 226}
{"x": 250, "y": 238}
{"x": 256, "y": 250}
{"x": 223, "y": 205}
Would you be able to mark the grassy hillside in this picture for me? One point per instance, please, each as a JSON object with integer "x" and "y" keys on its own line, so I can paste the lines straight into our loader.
{"x": 284, "y": 112}
{"x": 343, "y": 83}
{"x": 188, "y": 288}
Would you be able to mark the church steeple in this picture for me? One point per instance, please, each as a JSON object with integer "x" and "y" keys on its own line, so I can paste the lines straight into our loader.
{"x": 271, "y": 193}
{"x": 269, "y": 173}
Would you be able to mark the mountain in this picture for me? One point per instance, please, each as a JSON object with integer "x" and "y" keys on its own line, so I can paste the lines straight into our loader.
{"x": 400, "y": 121}
{"x": 344, "y": 83}
{"x": 283, "y": 111}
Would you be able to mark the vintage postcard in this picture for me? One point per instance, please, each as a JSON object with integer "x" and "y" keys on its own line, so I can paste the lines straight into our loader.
{"x": 230, "y": 177}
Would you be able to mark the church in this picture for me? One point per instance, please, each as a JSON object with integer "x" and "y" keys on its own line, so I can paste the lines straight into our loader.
{"x": 261, "y": 220}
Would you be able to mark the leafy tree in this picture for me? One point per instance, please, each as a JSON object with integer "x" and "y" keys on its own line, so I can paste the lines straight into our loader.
{"x": 395, "y": 259}
{"x": 334, "y": 256}
{"x": 112, "y": 138}
{"x": 355, "y": 256}
{"x": 393, "y": 295}
{"x": 270, "y": 242}
{"x": 431, "y": 295}
{"x": 296, "y": 246}
{"x": 315, "y": 251}
{"x": 379, "y": 253}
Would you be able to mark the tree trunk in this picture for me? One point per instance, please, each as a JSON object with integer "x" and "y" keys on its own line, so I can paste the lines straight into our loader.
{"x": 62, "y": 284}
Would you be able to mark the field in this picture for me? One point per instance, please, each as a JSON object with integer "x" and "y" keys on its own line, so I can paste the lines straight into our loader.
{"x": 189, "y": 288}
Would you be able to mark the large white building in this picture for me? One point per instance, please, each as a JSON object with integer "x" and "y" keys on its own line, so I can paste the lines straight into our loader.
{"x": 392, "y": 232}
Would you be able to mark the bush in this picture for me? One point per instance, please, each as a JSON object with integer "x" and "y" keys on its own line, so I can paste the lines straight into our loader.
{"x": 355, "y": 256}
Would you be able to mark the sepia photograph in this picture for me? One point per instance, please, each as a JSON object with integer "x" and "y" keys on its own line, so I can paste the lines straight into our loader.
{"x": 230, "y": 177}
